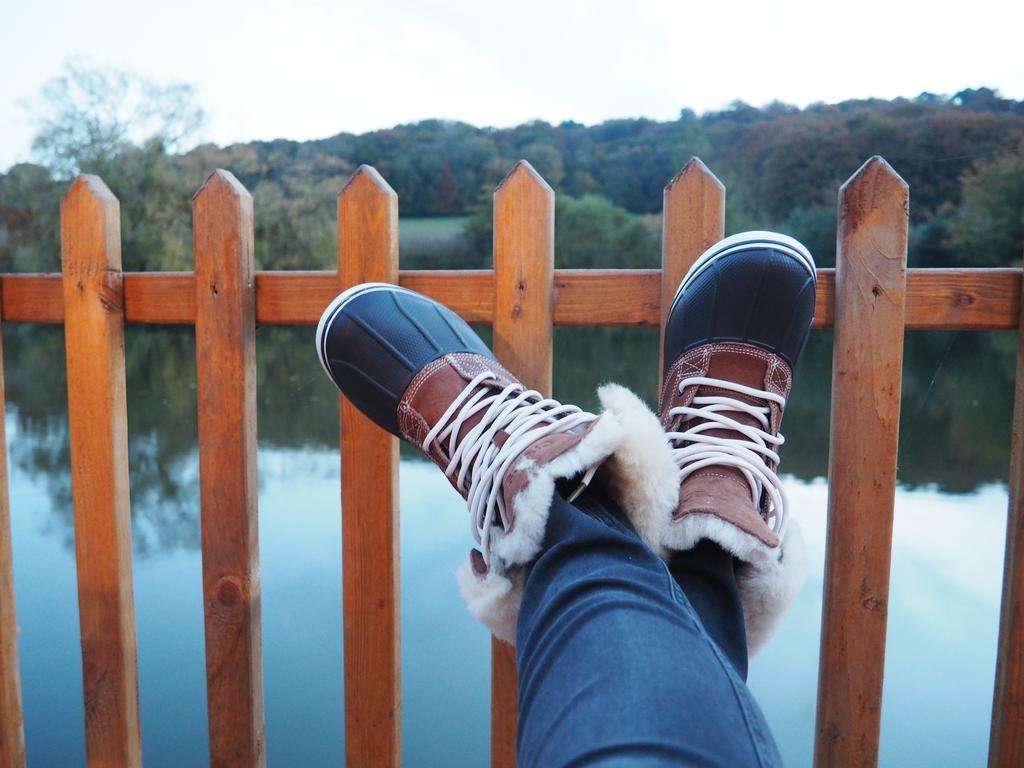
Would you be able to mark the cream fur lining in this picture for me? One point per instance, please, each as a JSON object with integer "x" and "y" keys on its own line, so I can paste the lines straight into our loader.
{"x": 640, "y": 474}
{"x": 493, "y": 599}
{"x": 642, "y": 477}
{"x": 644, "y": 480}
{"x": 770, "y": 577}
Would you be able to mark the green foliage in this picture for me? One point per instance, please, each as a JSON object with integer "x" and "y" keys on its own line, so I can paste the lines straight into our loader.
{"x": 592, "y": 232}
{"x": 962, "y": 157}
{"x": 89, "y": 115}
{"x": 989, "y": 228}
{"x": 815, "y": 227}
{"x": 437, "y": 242}
{"x": 29, "y": 220}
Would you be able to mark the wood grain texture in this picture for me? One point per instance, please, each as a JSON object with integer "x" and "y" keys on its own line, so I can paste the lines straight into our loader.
{"x": 167, "y": 299}
{"x": 524, "y": 250}
{"x": 225, "y": 306}
{"x": 870, "y": 285}
{"x": 937, "y": 299}
{"x": 586, "y": 297}
{"x": 12, "y": 732}
{"x": 693, "y": 220}
{"x": 468, "y": 292}
{"x": 98, "y": 425}
{"x": 1006, "y": 743}
{"x": 368, "y": 252}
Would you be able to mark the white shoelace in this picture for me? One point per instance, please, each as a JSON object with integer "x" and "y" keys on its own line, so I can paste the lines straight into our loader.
{"x": 749, "y": 453}
{"x": 477, "y": 463}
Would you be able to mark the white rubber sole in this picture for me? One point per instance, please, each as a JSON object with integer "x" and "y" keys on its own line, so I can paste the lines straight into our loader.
{"x": 745, "y": 241}
{"x": 336, "y": 305}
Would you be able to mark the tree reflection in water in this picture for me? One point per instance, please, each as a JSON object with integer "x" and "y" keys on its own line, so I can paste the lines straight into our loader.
{"x": 955, "y": 422}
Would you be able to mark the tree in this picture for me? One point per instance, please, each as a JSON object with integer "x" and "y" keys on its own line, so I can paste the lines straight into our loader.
{"x": 88, "y": 115}
{"x": 989, "y": 226}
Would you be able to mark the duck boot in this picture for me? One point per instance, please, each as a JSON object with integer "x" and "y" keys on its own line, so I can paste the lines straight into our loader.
{"x": 419, "y": 371}
{"x": 735, "y": 331}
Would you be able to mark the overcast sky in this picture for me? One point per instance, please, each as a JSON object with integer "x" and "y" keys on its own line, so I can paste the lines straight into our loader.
{"x": 304, "y": 69}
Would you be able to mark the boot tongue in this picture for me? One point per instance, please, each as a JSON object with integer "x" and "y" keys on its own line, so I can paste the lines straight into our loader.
{"x": 738, "y": 368}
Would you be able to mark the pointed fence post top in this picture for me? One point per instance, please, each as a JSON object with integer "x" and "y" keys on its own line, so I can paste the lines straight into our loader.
{"x": 366, "y": 182}
{"x": 90, "y": 228}
{"x": 89, "y": 187}
{"x": 876, "y": 200}
{"x": 876, "y": 177}
{"x": 873, "y": 234}
{"x": 693, "y": 173}
{"x": 221, "y": 185}
{"x": 521, "y": 178}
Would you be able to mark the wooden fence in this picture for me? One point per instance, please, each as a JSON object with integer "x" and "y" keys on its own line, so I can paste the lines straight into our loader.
{"x": 869, "y": 299}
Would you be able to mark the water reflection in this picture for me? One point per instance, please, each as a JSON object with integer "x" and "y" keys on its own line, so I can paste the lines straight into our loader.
{"x": 954, "y": 450}
{"x": 954, "y": 430}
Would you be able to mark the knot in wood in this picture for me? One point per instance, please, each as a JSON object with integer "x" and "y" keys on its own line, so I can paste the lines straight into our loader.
{"x": 228, "y": 592}
{"x": 111, "y": 291}
{"x": 871, "y": 603}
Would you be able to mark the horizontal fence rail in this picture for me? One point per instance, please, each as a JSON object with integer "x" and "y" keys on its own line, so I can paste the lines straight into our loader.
{"x": 869, "y": 300}
{"x": 937, "y": 299}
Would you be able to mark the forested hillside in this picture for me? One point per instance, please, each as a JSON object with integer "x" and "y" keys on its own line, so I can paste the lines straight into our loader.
{"x": 963, "y": 157}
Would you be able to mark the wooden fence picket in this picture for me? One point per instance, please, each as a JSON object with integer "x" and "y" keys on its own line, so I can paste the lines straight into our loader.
{"x": 693, "y": 220}
{"x": 867, "y": 369}
{"x": 225, "y": 305}
{"x": 368, "y": 252}
{"x": 12, "y": 732}
{"x": 524, "y": 252}
{"x": 1006, "y": 743}
{"x": 90, "y": 225}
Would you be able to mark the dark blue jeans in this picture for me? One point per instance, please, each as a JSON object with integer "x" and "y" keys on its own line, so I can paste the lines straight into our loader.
{"x": 626, "y": 661}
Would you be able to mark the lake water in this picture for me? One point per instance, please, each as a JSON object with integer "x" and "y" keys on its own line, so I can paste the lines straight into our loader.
{"x": 946, "y": 571}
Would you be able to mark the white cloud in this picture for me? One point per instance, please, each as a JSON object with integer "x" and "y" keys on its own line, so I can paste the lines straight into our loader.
{"x": 308, "y": 68}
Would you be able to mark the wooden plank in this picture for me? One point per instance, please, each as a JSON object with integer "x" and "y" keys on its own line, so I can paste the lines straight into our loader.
{"x": 293, "y": 298}
{"x": 225, "y": 305}
{"x": 693, "y": 220}
{"x": 368, "y": 252}
{"x": 937, "y": 299}
{"x": 524, "y": 250}
{"x": 973, "y": 299}
{"x": 1006, "y": 743}
{"x": 169, "y": 299}
{"x": 32, "y": 298}
{"x": 12, "y": 732}
{"x": 607, "y": 296}
{"x": 866, "y": 376}
{"x": 98, "y": 425}
{"x": 298, "y": 298}
{"x": 468, "y": 292}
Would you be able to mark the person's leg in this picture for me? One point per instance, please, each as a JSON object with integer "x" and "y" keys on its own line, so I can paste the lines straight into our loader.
{"x": 614, "y": 661}
{"x": 616, "y": 666}
{"x": 707, "y": 576}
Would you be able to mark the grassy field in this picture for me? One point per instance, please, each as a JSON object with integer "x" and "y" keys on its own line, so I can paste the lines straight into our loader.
{"x": 434, "y": 226}
{"x": 432, "y": 243}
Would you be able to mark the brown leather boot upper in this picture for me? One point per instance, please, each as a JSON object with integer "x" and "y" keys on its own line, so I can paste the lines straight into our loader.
{"x": 434, "y": 389}
{"x": 723, "y": 491}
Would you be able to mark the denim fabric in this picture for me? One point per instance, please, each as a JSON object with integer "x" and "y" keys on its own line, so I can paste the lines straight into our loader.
{"x": 626, "y": 661}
